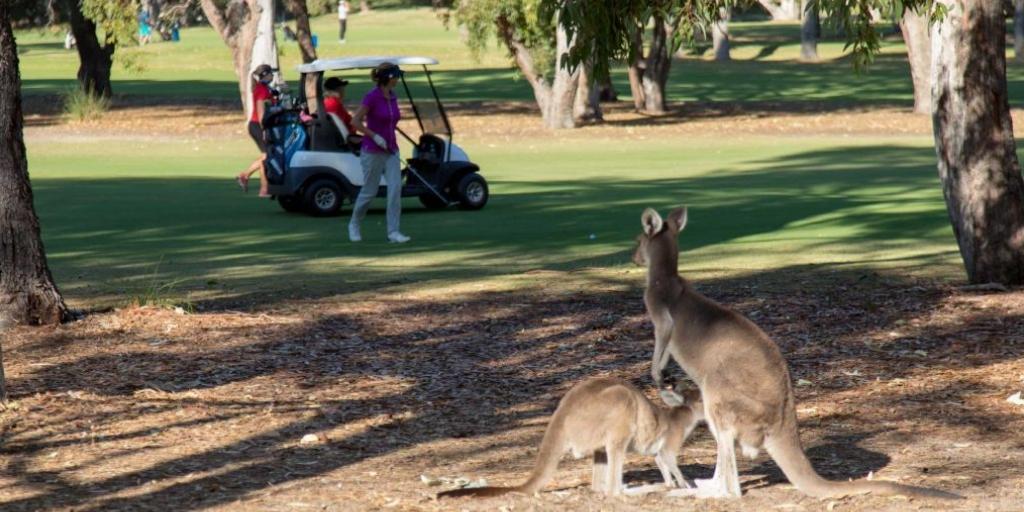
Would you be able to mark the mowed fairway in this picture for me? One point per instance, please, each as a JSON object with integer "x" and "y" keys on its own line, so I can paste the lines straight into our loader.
{"x": 129, "y": 212}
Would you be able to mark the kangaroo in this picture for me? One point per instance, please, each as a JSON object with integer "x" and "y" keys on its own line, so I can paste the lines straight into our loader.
{"x": 606, "y": 418}
{"x": 743, "y": 379}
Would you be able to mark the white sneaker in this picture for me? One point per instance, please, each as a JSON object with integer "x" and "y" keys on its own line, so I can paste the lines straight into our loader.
{"x": 353, "y": 233}
{"x": 398, "y": 238}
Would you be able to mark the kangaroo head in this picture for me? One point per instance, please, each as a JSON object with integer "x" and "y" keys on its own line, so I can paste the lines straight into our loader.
{"x": 676, "y": 394}
{"x": 659, "y": 236}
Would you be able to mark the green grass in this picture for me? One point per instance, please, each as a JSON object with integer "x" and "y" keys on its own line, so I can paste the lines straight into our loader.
{"x": 113, "y": 216}
{"x": 764, "y": 68}
{"x": 124, "y": 215}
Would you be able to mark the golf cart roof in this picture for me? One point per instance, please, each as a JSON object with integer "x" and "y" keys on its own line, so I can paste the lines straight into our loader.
{"x": 321, "y": 65}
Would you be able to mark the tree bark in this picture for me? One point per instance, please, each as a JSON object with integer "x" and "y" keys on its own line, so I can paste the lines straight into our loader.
{"x": 1018, "y": 30}
{"x": 587, "y": 105}
{"x": 657, "y": 66}
{"x": 636, "y": 70}
{"x": 720, "y": 35}
{"x": 237, "y": 25}
{"x": 28, "y": 294}
{"x": 94, "y": 59}
{"x": 364, "y": 6}
{"x": 555, "y": 99}
{"x": 786, "y": 10}
{"x": 977, "y": 158}
{"x": 916, "y": 35}
{"x": 810, "y": 31}
{"x": 303, "y": 33}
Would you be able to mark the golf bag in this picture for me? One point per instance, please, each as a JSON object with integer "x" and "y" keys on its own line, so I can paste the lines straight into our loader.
{"x": 285, "y": 134}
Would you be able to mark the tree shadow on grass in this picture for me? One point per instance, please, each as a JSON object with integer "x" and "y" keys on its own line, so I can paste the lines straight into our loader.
{"x": 198, "y": 236}
{"x": 465, "y": 369}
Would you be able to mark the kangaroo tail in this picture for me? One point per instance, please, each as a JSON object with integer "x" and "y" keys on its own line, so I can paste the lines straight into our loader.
{"x": 551, "y": 450}
{"x": 786, "y": 451}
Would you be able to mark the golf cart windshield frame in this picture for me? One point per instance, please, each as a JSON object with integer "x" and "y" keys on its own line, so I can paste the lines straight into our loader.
{"x": 318, "y": 68}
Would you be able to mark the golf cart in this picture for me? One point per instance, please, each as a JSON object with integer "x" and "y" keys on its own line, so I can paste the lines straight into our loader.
{"x": 313, "y": 163}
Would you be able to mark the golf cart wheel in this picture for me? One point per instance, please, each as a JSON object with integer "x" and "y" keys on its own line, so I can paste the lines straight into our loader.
{"x": 472, "y": 191}
{"x": 431, "y": 201}
{"x": 291, "y": 204}
{"x": 323, "y": 198}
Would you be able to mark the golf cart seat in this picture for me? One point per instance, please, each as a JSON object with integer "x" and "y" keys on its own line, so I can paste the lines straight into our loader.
{"x": 351, "y": 140}
{"x": 431, "y": 148}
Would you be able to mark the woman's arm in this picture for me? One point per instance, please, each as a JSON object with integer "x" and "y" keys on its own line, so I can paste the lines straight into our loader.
{"x": 261, "y": 108}
{"x": 357, "y": 122}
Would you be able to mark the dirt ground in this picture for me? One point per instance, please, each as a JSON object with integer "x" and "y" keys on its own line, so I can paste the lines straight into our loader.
{"x": 377, "y": 402}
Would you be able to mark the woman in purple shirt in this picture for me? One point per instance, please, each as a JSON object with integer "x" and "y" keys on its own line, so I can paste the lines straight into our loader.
{"x": 377, "y": 119}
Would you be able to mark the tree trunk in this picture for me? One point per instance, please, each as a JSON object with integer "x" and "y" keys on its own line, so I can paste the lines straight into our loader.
{"x": 658, "y": 64}
{"x": 919, "y": 52}
{"x": 555, "y": 99}
{"x": 787, "y": 10}
{"x": 94, "y": 59}
{"x": 587, "y": 105}
{"x": 636, "y": 71}
{"x": 606, "y": 90}
{"x": 237, "y": 25}
{"x": 720, "y": 34}
{"x": 264, "y": 49}
{"x": 977, "y": 158}
{"x": 1018, "y": 30}
{"x": 364, "y": 6}
{"x": 300, "y": 10}
{"x": 27, "y": 292}
{"x": 558, "y": 113}
{"x": 810, "y": 31}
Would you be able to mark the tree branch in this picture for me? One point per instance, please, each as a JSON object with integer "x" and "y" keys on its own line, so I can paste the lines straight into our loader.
{"x": 524, "y": 60}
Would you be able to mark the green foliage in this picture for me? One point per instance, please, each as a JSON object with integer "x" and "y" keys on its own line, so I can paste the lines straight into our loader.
{"x": 79, "y": 105}
{"x": 117, "y": 20}
{"x": 530, "y": 21}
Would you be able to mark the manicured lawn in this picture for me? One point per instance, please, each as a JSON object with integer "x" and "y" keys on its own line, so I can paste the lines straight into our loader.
{"x": 119, "y": 220}
{"x": 125, "y": 215}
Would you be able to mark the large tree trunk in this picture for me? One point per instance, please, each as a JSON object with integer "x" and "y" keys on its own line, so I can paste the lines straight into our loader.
{"x": 27, "y": 292}
{"x": 264, "y": 48}
{"x": 555, "y": 99}
{"x": 977, "y": 158}
{"x": 810, "y": 31}
{"x": 720, "y": 35}
{"x": 558, "y": 113}
{"x": 587, "y": 105}
{"x": 636, "y": 70}
{"x": 364, "y": 6}
{"x": 657, "y": 66}
{"x": 1018, "y": 30}
{"x": 916, "y": 35}
{"x": 94, "y": 59}
{"x": 237, "y": 25}
{"x": 300, "y": 10}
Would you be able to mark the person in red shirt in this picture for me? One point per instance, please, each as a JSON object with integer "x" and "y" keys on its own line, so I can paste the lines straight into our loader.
{"x": 262, "y": 94}
{"x": 334, "y": 103}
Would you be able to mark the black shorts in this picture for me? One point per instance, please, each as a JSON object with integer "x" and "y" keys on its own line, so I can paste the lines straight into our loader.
{"x": 256, "y": 132}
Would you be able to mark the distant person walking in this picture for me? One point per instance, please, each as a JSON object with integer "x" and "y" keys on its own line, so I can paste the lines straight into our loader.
{"x": 377, "y": 119}
{"x": 261, "y": 95}
{"x": 343, "y": 8}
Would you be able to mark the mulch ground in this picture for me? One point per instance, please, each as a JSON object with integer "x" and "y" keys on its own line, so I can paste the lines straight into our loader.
{"x": 357, "y": 403}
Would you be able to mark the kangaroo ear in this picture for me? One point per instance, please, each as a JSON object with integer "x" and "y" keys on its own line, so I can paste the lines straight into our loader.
{"x": 651, "y": 222}
{"x": 671, "y": 398}
{"x": 678, "y": 216}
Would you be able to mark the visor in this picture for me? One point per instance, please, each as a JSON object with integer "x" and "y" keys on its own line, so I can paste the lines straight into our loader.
{"x": 394, "y": 72}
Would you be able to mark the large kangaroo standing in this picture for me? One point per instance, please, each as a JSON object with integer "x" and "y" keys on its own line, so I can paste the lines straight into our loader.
{"x": 742, "y": 376}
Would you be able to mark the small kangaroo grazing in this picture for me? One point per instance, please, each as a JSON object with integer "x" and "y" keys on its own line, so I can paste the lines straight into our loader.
{"x": 605, "y": 418}
{"x": 742, "y": 376}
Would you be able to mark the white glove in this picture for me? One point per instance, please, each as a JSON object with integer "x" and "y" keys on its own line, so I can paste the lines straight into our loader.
{"x": 378, "y": 140}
